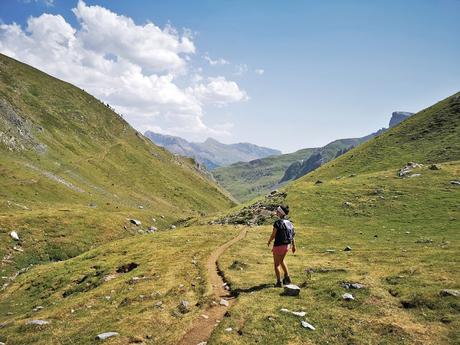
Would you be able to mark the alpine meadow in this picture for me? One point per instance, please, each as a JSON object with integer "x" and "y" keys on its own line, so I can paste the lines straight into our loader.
{"x": 139, "y": 182}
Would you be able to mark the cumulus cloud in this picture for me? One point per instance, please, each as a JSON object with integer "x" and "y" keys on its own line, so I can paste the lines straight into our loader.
{"x": 219, "y": 91}
{"x": 133, "y": 67}
{"x": 259, "y": 71}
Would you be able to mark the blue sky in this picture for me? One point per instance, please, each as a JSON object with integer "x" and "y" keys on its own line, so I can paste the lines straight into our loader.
{"x": 331, "y": 69}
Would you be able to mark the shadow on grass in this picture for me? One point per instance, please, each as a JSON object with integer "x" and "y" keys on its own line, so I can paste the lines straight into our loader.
{"x": 259, "y": 287}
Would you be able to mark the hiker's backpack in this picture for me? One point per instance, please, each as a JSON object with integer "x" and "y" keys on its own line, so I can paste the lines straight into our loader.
{"x": 287, "y": 231}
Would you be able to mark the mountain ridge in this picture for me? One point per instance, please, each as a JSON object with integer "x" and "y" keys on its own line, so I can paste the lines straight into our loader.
{"x": 211, "y": 152}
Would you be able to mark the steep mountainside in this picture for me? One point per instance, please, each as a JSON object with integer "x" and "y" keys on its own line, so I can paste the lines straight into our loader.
{"x": 73, "y": 172}
{"x": 211, "y": 153}
{"x": 430, "y": 136}
{"x": 399, "y": 116}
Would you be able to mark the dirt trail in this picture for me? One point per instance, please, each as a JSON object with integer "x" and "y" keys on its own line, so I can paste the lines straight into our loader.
{"x": 202, "y": 327}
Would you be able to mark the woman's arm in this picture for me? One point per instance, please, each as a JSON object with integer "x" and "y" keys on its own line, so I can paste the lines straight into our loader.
{"x": 272, "y": 236}
{"x": 293, "y": 245}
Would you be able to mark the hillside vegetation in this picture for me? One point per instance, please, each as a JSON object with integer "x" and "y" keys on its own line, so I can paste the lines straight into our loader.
{"x": 73, "y": 173}
{"x": 403, "y": 243}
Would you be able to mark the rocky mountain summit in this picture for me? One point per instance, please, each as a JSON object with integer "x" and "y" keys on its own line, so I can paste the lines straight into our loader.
{"x": 211, "y": 153}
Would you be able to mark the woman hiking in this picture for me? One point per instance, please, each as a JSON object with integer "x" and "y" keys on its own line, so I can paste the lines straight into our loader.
{"x": 283, "y": 233}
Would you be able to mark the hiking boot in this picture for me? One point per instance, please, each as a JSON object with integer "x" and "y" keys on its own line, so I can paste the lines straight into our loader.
{"x": 287, "y": 280}
{"x": 278, "y": 284}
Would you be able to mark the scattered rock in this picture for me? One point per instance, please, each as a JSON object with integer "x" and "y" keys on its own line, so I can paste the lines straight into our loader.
{"x": 347, "y": 204}
{"x": 37, "y": 308}
{"x": 202, "y": 343}
{"x": 424, "y": 240}
{"x": 318, "y": 182}
{"x": 184, "y": 307}
{"x": 224, "y": 302}
{"x": 14, "y": 235}
{"x": 18, "y": 249}
{"x": 38, "y": 322}
{"x": 415, "y": 175}
{"x": 450, "y": 292}
{"x": 405, "y": 171}
{"x": 291, "y": 290}
{"x": 330, "y": 250}
{"x": 348, "y": 285}
{"x": 455, "y": 182}
{"x": 205, "y": 316}
{"x": 141, "y": 207}
{"x": 154, "y": 220}
{"x": 106, "y": 335}
{"x": 347, "y": 249}
{"x": 229, "y": 329}
{"x": 152, "y": 229}
{"x": 307, "y": 325}
{"x": 127, "y": 267}
{"x": 435, "y": 167}
{"x": 238, "y": 265}
{"x": 172, "y": 227}
{"x": 299, "y": 313}
{"x": 135, "y": 222}
{"x": 348, "y": 297}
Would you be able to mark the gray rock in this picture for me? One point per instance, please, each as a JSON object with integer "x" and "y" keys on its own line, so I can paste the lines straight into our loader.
{"x": 455, "y": 182}
{"x": 37, "y": 308}
{"x": 307, "y": 325}
{"x": 135, "y": 222}
{"x": 330, "y": 250}
{"x": 348, "y": 285}
{"x": 172, "y": 227}
{"x": 318, "y": 182}
{"x": 106, "y": 335}
{"x": 348, "y": 297}
{"x": 347, "y": 249}
{"x": 435, "y": 167}
{"x": 415, "y": 175}
{"x": 450, "y": 292}
{"x": 14, "y": 235}
{"x": 152, "y": 229}
{"x": 184, "y": 307}
{"x": 404, "y": 171}
{"x": 291, "y": 290}
{"x": 38, "y": 322}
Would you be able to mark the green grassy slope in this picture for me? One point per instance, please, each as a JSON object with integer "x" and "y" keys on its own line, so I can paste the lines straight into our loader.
{"x": 85, "y": 296}
{"x": 404, "y": 238}
{"x": 73, "y": 172}
{"x": 247, "y": 180}
{"x": 430, "y": 136}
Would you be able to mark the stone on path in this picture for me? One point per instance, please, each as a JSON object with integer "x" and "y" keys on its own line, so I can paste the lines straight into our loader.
{"x": 202, "y": 343}
{"x": 307, "y": 325}
{"x": 291, "y": 290}
{"x": 348, "y": 297}
{"x": 450, "y": 292}
{"x": 14, "y": 235}
{"x": 38, "y": 322}
{"x": 106, "y": 335}
{"x": 224, "y": 302}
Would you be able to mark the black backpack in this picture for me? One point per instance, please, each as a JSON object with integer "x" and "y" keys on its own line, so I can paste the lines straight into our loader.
{"x": 287, "y": 232}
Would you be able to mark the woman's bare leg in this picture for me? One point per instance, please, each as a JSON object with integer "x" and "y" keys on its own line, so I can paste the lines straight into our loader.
{"x": 276, "y": 262}
{"x": 284, "y": 266}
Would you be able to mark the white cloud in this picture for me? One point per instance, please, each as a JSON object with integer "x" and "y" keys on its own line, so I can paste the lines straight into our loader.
{"x": 219, "y": 91}
{"x": 47, "y": 3}
{"x": 259, "y": 71}
{"x": 219, "y": 61}
{"x": 133, "y": 67}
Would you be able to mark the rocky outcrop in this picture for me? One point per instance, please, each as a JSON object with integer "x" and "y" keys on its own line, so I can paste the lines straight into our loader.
{"x": 399, "y": 116}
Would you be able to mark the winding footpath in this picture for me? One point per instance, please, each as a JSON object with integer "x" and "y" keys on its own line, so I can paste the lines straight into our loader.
{"x": 202, "y": 327}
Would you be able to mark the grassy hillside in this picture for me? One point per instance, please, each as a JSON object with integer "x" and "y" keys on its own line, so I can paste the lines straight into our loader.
{"x": 404, "y": 239}
{"x": 430, "y": 136}
{"x": 73, "y": 173}
{"x": 247, "y": 180}
{"x": 92, "y": 293}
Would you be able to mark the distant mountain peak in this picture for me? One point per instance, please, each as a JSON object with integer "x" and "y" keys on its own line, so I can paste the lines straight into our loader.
{"x": 212, "y": 153}
{"x": 399, "y": 116}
